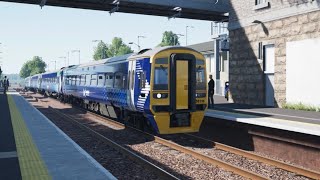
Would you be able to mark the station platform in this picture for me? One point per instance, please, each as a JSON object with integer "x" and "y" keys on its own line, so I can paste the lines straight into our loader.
{"x": 285, "y": 119}
{"x": 32, "y": 147}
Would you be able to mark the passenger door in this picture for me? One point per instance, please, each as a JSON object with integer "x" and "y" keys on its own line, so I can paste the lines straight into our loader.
{"x": 182, "y": 82}
{"x": 130, "y": 86}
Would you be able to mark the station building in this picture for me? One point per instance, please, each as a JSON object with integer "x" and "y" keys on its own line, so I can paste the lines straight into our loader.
{"x": 274, "y": 52}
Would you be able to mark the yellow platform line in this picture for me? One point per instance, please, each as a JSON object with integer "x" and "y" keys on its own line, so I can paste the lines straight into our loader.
{"x": 32, "y": 166}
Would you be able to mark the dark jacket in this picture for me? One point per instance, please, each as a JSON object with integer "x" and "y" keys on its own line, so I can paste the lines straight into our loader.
{"x": 211, "y": 86}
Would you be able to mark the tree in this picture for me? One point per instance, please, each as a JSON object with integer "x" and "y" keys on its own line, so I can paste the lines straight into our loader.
{"x": 34, "y": 66}
{"x": 169, "y": 39}
{"x": 100, "y": 51}
{"x": 118, "y": 48}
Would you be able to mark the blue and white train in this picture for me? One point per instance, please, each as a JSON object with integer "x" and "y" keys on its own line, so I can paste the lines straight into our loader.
{"x": 163, "y": 89}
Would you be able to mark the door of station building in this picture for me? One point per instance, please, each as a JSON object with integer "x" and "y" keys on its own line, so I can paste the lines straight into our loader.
{"x": 269, "y": 58}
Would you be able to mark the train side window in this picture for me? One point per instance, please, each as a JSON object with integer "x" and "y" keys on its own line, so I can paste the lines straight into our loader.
{"x": 73, "y": 80}
{"x": 124, "y": 81}
{"x": 118, "y": 80}
{"x": 83, "y": 80}
{"x": 200, "y": 75}
{"x": 77, "y": 80}
{"x": 101, "y": 80}
{"x": 132, "y": 80}
{"x": 129, "y": 78}
{"x": 69, "y": 80}
{"x": 109, "y": 80}
{"x": 88, "y": 78}
{"x": 93, "y": 80}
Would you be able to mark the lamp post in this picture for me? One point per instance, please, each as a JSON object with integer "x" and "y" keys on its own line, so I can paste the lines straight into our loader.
{"x": 63, "y": 57}
{"x": 135, "y": 44}
{"x": 55, "y": 64}
{"x": 175, "y": 39}
{"x": 48, "y": 66}
{"x": 187, "y": 33}
{"x": 78, "y": 52}
{"x": 68, "y": 58}
{"x": 139, "y": 41}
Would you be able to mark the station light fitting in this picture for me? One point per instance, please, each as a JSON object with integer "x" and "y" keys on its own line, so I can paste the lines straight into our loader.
{"x": 177, "y": 14}
{"x": 116, "y": 8}
{"x": 43, "y": 3}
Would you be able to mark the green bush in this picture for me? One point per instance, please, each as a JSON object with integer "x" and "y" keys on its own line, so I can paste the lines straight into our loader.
{"x": 300, "y": 106}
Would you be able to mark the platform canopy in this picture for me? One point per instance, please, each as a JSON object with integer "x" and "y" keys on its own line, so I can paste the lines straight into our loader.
{"x": 212, "y": 10}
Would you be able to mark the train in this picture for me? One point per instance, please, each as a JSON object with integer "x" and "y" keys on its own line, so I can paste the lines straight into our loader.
{"x": 162, "y": 90}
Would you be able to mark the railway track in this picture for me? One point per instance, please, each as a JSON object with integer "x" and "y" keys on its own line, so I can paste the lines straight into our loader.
{"x": 227, "y": 166}
{"x": 133, "y": 156}
{"x": 273, "y": 162}
{"x": 245, "y": 173}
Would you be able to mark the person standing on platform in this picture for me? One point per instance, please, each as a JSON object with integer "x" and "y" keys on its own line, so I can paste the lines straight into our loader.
{"x": 4, "y": 84}
{"x": 7, "y": 84}
{"x": 210, "y": 92}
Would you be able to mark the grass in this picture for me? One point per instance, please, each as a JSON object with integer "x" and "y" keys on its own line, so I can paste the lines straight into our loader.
{"x": 300, "y": 106}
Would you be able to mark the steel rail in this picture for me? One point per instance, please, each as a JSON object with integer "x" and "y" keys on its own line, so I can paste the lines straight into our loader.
{"x": 288, "y": 167}
{"x": 162, "y": 173}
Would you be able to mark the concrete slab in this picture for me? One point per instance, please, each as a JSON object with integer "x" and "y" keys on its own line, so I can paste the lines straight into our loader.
{"x": 63, "y": 158}
{"x": 295, "y": 126}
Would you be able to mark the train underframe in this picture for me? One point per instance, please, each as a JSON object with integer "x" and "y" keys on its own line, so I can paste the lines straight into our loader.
{"x": 129, "y": 118}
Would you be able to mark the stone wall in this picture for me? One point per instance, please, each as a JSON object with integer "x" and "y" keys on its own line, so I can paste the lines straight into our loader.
{"x": 246, "y": 72}
{"x": 244, "y": 12}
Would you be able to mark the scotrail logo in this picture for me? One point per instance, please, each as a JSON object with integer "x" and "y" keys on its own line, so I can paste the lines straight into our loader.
{"x": 85, "y": 92}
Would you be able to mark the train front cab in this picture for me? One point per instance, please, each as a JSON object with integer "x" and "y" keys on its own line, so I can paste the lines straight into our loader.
{"x": 178, "y": 98}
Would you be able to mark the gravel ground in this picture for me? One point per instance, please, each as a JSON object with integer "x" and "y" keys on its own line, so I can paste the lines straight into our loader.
{"x": 268, "y": 171}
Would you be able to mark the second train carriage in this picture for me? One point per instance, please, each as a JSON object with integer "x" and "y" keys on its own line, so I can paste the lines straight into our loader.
{"x": 49, "y": 83}
{"x": 35, "y": 82}
{"x": 163, "y": 89}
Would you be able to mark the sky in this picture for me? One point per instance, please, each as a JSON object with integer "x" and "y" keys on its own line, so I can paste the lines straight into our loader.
{"x": 52, "y": 32}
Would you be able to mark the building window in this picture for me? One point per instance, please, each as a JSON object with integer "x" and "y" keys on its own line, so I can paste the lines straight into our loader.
{"x": 260, "y": 2}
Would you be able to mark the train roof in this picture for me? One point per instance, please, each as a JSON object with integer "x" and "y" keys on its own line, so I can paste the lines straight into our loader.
{"x": 50, "y": 72}
{"x": 108, "y": 60}
{"x": 142, "y": 54}
{"x": 156, "y": 50}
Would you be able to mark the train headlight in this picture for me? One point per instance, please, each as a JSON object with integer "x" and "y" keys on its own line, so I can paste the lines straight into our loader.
{"x": 200, "y": 95}
{"x": 160, "y": 95}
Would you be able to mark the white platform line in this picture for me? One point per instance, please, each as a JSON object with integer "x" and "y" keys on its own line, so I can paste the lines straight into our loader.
{"x": 12, "y": 154}
{"x": 274, "y": 114}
